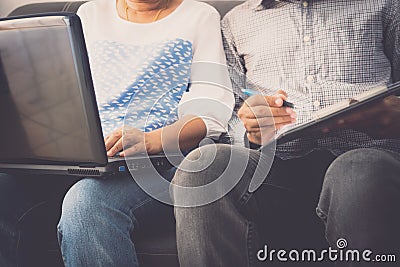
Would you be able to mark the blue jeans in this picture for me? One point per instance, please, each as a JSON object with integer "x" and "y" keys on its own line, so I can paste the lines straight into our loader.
{"x": 99, "y": 218}
{"x": 357, "y": 195}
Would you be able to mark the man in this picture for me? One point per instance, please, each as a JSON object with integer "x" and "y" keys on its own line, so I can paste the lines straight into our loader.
{"x": 319, "y": 52}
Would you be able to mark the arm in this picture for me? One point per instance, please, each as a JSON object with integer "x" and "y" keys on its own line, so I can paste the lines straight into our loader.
{"x": 234, "y": 61}
{"x": 187, "y": 132}
{"x": 209, "y": 96}
{"x": 392, "y": 38}
{"x": 260, "y": 115}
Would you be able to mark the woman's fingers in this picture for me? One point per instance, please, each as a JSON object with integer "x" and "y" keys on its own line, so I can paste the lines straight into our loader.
{"x": 117, "y": 147}
{"x": 132, "y": 150}
{"x": 113, "y": 138}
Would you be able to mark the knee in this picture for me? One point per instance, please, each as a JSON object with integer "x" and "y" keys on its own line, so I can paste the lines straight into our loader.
{"x": 361, "y": 189}
{"x": 211, "y": 173}
{"x": 202, "y": 166}
{"x": 361, "y": 179}
{"x": 82, "y": 202}
{"x": 363, "y": 169}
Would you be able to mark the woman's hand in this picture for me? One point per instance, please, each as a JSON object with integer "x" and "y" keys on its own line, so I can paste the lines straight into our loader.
{"x": 131, "y": 141}
{"x": 263, "y": 115}
{"x": 183, "y": 135}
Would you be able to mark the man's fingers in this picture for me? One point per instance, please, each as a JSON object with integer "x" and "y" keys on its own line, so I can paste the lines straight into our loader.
{"x": 275, "y": 100}
{"x": 260, "y": 100}
{"x": 262, "y": 112}
{"x": 254, "y": 124}
{"x": 280, "y": 91}
{"x": 262, "y": 136}
{"x": 256, "y": 100}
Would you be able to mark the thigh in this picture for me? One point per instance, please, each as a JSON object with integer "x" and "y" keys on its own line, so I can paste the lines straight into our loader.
{"x": 118, "y": 193}
{"x": 151, "y": 215}
{"x": 360, "y": 197}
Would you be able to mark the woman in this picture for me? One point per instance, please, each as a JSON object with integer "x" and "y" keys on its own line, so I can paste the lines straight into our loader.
{"x": 136, "y": 48}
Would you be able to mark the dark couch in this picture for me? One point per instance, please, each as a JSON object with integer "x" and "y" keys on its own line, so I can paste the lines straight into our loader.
{"x": 222, "y": 6}
{"x": 153, "y": 248}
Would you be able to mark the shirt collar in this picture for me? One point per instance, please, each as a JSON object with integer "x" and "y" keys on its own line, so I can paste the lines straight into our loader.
{"x": 261, "y": 4}
{"x": 256, "y": 4}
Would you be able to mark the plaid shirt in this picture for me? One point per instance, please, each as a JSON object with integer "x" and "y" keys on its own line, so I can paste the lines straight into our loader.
{"x": 320, "y": 52}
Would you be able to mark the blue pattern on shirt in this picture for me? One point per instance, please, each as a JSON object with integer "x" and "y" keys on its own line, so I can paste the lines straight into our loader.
{"x": 140, "y": 86}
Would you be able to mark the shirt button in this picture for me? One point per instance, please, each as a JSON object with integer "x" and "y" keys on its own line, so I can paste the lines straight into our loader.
{"x": 317, "y": 103}
{"x": 305, "y": 4}
{"x": 307, "y": 38}
{"x": 310, "y": 79}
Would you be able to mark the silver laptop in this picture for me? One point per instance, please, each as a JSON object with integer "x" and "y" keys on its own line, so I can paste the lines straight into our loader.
{"x": 48, "y": 111}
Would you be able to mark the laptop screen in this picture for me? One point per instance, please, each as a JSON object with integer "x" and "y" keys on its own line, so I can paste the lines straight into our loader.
{"x": 47, "y": 104}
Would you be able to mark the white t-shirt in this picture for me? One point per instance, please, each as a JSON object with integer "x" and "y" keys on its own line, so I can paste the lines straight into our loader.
{"x": 142, "y": 72}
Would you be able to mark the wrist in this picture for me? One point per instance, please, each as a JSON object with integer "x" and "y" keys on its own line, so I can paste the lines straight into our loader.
{"x": 153, "y": 142}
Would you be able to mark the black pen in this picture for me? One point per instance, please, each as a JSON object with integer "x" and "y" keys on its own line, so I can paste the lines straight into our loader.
{"x": 251, "y": 92}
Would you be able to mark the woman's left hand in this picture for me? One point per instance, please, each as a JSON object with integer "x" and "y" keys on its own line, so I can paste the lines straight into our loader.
{"x": 131, "y": 141}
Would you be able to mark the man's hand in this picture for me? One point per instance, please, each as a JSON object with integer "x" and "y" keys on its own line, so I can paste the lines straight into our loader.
{"x": 130, "y": 141}
{"x": 381, "y": 120}
{"x": 262, "y": 116}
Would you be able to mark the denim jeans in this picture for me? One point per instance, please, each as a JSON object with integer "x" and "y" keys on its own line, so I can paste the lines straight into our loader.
{"x": 357, "y": 195}
{"x": 99, "y": 218}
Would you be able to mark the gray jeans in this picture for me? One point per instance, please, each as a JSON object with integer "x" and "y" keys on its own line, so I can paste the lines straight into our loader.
{"x": 356, "y": 196}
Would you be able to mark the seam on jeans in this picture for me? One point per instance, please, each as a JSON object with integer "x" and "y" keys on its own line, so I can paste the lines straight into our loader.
{"x": 141, "y": 204}
{"x": 144, "y": 202}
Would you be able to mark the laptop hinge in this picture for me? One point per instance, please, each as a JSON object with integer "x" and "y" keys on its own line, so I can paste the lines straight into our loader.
{"x": 87, "y": 166}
